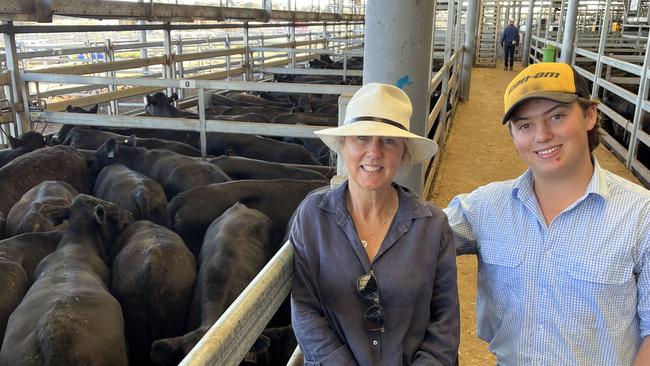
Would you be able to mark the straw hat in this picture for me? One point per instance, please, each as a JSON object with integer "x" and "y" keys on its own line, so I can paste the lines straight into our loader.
{"x": 380, "y": 110}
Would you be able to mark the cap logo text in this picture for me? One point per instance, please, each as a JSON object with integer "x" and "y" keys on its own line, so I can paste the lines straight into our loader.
{"x": 541, "y": 74}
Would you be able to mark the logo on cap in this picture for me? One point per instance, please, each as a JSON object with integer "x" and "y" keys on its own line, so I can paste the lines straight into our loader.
{"x": 539, "y": 75}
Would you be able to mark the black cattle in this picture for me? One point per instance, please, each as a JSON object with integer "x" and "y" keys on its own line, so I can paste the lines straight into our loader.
{"x": 246, "y": 117}
{"x": 176, "y": 173}
{"x": 191, "y": 212}
{"x": 236, "y": 247}
{"x": 256, "y": 147}
{"x": 281, "y": 345}
{"x": 82, "y": 137}
{"x": 153, "y": 143}
{"x": 312, "y": 119}
{"x": 132, "y": 191}
{"x": 60, "y": 136}
{"x": 62, "y": 163}
{"x": 68, "y": 316}
{"x": 269, "y": 111}
{"x": 253, "y": 100}
{"x": 239, "y": 168}
{"x": 153, "y": 276}
{"x": 25, "y": 215}
{"x": 19, "y": 256}
{"x": 160, "y": 105}
{"x": 29, "y": 141}
{"x": 316, "y": 148}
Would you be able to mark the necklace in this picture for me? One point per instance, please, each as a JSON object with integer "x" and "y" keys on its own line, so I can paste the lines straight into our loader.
{"x": 381, "y": 226}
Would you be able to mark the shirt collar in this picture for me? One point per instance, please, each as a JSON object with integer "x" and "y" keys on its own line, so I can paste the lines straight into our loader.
{"x": 522, "y": 187}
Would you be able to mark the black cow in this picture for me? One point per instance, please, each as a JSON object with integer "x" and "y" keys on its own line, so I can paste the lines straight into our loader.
{"x": 62, "y": 163}
{"x": 153, "y": 276}
{"x": 60, "y": 136}
{"x": 176, "y": 173}
{"x": 236, "y": 247}
{"x": 311, "y": 119}
{"x": 132, "y": 191}
{"x": 19, "y": 256}
{"x": 161, "y": 105}
{"x": 157, "y": 143}
{"x": 25, "y": 215}
{"x": 256, "y": 147}
{"x": 239, "y": 168}
{"x": 68, "y": 316}
{"x": 191, "y": 212}
{"x": 29, "y": 141}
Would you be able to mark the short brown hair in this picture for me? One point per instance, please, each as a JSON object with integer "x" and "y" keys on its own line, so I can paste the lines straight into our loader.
{"x": 593, "y": 135}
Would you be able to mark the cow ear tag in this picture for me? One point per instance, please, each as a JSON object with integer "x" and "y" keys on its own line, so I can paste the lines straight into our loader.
{"x": 111, "y": 154}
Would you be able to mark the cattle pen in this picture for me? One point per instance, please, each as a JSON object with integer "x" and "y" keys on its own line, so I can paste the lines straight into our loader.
{"x": 114, "y": 54}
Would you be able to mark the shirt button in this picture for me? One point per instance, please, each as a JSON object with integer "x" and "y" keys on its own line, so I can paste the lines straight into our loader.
{"x": 375, "y": 342}
{"x": 540, "y": 326}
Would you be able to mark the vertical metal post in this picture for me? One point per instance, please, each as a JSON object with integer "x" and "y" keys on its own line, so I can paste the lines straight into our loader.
{"x": 293, "y": 44}
{"x": 325, "y": 36}
{"x": 181, "y": 69}
{"x": 142, "y": 38}
{"x": 470, "y": 48}
{"x": 228, "y": 59}
{"x": 601, "y": 48}
{"x": 445, "y": 91}
{"x": 638, "y": 110}
{"x": 518, "y": 12}
{"x": 168, "y": 55}
{"x": 109, "y": 56}
{"x": 549, "y": 21}
{"x": 569, "y": 32}
{"x": 247, "y": 69}
{"x": 16, "y": 90}
{"x": 525, "y": 51}
{"x": 560, "y": 22}
{"x": 387, "y": 31}
{"x": 202, "y": 124}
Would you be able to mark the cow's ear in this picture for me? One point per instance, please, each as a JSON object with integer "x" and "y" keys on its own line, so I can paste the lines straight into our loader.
{"x": 131, "y": 140}
{"x": 55, "y": 214}
{"x": 111, "y": 147}
{"x": 173, "y": 98}
{"x": 94, "y": 109}
{"x": 99, "y": 213}
{"x": 14, "y": 143}
{"x": 150, "y": 100}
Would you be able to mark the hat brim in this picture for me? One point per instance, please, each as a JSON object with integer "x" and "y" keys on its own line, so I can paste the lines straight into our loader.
{"x": 560, "y": 97}
{"x": 420, "y": 148}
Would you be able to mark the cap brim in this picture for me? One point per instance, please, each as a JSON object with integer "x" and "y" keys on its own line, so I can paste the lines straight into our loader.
{"x": 560, "y": 97}
{"x": 420, "y": 148}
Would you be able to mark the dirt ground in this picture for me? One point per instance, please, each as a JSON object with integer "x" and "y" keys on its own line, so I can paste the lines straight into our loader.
{"x": 478, "y": 150}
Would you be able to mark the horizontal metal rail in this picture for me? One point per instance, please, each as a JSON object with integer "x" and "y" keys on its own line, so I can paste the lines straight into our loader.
{"x": 324, "y": 72}
{"x": 182, "y": 124}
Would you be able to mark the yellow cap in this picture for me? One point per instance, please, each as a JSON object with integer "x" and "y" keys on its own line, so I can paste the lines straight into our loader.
{"x": 547, "y": 80}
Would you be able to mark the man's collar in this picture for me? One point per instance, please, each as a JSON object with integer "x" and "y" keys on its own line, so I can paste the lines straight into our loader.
{"x": 522, "y": 187}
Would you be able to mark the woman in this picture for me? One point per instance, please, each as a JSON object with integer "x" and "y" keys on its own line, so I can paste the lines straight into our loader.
{"x": 374, "y": 269}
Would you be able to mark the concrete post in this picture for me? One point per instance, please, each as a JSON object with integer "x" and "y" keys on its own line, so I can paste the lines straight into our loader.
{"x": 525, "y": 51}
{"x": 470, "y": 48}
{"x": 395, "y": 45}
{"x": 569, "y": 32}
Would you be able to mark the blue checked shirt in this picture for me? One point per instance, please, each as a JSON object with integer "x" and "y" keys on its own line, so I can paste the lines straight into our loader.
{"x": 575, "y": 292}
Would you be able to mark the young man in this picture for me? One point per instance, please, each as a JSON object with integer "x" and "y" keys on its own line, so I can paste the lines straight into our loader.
{"x": 563, "y": 250}
{"x": 509, "y": 40}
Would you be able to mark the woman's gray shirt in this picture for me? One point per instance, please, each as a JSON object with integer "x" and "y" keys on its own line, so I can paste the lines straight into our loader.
{"x": 416, "y": 271}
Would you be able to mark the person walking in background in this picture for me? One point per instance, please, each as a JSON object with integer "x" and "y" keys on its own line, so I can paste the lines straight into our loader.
{"x": 509, "y": 40}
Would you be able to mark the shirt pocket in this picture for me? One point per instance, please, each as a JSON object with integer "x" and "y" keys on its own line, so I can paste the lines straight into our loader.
{"x": 598, "y": 293}
{"x": 502, "y": 275}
